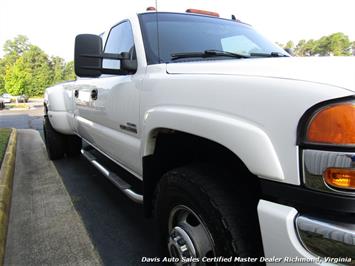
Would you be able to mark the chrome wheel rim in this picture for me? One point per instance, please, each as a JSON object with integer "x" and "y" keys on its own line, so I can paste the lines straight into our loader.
{"x": 188, "y": 236}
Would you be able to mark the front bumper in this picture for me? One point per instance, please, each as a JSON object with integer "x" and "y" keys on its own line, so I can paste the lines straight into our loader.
{"x": 303, "y": 240}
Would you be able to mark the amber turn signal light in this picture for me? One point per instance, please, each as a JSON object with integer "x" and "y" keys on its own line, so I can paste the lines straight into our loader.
{"x": 333, "y": 125}
{"x": 340, "y": 177}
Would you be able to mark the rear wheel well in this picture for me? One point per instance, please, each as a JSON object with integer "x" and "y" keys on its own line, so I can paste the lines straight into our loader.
{"x": 174, "y": 149}
{"x": 45, "y": 109}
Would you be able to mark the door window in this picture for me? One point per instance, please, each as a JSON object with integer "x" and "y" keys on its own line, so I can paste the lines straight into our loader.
{"x": 119, "y": 40}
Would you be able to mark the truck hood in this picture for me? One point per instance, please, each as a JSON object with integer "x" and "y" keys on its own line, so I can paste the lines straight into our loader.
{"x": 335, "y": 71}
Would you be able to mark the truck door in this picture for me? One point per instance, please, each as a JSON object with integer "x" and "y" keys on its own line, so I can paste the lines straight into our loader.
{"x": 108, "y": 106}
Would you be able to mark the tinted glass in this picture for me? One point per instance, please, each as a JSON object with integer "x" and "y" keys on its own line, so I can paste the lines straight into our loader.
{"x": 120, "y": 39}
{"x": 179, "y": 33}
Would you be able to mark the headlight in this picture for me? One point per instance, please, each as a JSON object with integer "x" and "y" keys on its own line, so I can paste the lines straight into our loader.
{"x": 334, "y": 124}
{"x": 327, "y": 145}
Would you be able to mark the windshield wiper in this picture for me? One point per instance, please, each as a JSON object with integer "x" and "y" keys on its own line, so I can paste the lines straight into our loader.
{"x": 207, "y": 53}
{"x": 272, "y": 54}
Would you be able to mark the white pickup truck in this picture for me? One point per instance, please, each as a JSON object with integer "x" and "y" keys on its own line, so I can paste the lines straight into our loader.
{"x": 241, "y": 152}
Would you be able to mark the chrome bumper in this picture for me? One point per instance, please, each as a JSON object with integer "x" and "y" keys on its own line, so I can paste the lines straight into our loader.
{"x": 326, "y": 238}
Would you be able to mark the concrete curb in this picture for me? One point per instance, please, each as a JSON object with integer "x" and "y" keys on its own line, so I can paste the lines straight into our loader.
{"x": 6, "y": 179}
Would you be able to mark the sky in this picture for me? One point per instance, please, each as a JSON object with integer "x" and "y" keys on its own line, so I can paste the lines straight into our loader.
{"x": 53, "y": 24}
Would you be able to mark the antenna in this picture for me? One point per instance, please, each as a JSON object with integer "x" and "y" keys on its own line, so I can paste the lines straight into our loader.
{"x": 157, "y": 18}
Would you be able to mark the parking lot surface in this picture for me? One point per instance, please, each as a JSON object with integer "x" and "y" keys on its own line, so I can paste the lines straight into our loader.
{"x": 114, "y": 225}
{"x": 22, "y": 119}
{"x": 44, "y": 227}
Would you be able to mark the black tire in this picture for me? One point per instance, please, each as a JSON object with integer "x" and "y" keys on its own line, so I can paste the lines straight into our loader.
{"x": 55, "y": 141}
{"x": 227, "y": 214}
{"x": 73, "y": 145}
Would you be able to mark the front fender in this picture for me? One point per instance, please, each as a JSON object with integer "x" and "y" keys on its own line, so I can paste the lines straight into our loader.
{"x": 244, "y": 138}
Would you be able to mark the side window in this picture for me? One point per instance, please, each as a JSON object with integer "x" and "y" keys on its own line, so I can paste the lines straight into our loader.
{"x": 120, "y": 39}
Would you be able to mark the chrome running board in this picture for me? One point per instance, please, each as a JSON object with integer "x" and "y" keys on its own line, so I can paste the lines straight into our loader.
{"x": 115, "y": 179}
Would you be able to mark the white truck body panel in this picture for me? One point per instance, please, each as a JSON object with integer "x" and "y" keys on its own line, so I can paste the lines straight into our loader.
{"x": 59, "y": 102}
{"x": 250, "y": 106}
{"x": 277, "y": 222}
{"x": 99, "y": 121}
{"x": 337, "y": 71}
{"x": 242, "y": 137}
{"x": 263, "y": 94}
{"x": 273, "y": 105}
{"x": 239, "y": 97}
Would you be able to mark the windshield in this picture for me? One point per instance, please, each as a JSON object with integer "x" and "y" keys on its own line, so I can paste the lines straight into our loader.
{"x": 186, "y": 33}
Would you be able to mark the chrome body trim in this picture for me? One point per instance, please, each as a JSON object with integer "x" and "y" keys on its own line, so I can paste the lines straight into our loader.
{"x": 109, "y": 157}
{"x": 317, "y": 235}
{"x": 315, "y": 162}
{"x": 115, "y": 179}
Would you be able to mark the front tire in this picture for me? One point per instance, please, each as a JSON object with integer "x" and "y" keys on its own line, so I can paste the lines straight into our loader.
{"x": 201, "y": 216}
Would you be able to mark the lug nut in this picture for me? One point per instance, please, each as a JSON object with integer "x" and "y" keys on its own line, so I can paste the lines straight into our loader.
{"x": 181, "y": 242}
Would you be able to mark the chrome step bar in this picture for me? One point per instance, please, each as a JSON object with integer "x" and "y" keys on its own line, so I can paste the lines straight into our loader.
{"x": 115, "y": 179}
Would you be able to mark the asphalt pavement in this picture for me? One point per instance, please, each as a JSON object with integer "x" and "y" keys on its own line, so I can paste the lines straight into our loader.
{"x": 114, "y": 225}
{"x": 22, "y": 119}
{"x": 44, "y": 228}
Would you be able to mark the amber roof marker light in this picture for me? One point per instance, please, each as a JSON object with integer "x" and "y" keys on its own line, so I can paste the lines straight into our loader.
{"x": 334, "y": 124}
{"x": 202, "y": 12}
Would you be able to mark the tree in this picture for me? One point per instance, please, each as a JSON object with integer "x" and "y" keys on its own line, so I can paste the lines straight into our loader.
{"x": 2, "y": 75}
{"x": 305, "y": 48}
{"x": 13, "y": 49}
{"x": 339, "y": 44}
{"x": 58, "y": 66}
{"x": 308, "y": 48}
{"x": 30, "y": 74}
{"x": 299, "y": 48}
{"x": 69, "y": 73}
{"x": 289, "y": 45}
{"x": 334, "y": 44}
{"x": 17, "y": 46}
{"x": 26, "y": 69}
{"x": 17, "y": 78}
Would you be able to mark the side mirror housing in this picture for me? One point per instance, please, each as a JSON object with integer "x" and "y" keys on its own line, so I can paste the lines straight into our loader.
{"x": 289, "y": 51}
{"x": 87, "y": 55}
{"x": 128, "y": 64}
{"x": 88, "y": 58}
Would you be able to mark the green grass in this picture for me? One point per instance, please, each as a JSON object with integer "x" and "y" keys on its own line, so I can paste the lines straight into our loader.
{"x": 4, "y": 138}
{"x": 19, "y": 105}
{"x": 37, "y": 97}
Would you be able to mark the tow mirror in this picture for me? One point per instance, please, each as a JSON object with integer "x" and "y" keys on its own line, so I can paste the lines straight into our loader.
{"x": 289, "y": 51}
{"x": 88, "y": 58}
{"x": 87, "y": 55}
